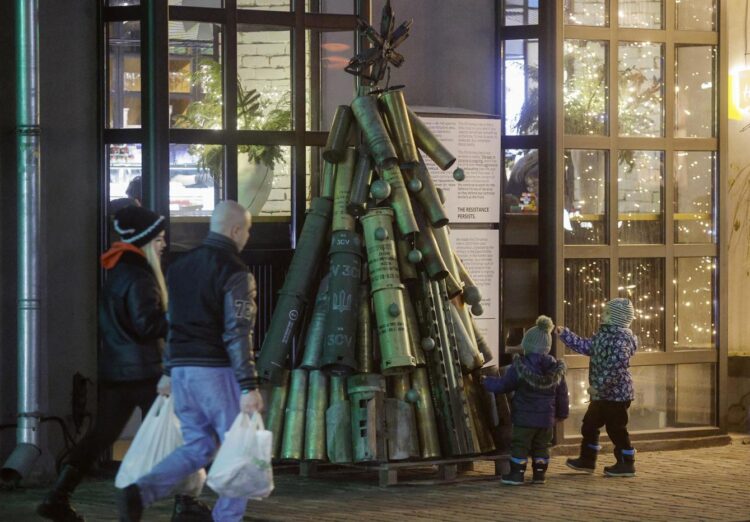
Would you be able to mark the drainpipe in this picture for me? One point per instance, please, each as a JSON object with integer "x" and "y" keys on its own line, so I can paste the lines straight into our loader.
{"x": 27, "y": 450}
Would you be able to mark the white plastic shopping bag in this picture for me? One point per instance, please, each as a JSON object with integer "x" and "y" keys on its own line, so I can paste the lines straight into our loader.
{"x": 158, "y": 436}
{"x": 242, "y": 468}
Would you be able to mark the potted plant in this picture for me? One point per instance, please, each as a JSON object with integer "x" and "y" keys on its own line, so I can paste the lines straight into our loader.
{"x": 255, "y": 163}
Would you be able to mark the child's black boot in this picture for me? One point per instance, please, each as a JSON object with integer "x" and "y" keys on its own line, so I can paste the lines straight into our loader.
{"x": 540, "y": 469}
{"x": 587, "y": 460}
{"x": 625, "y": 465}
{"x": 517, "y": 469}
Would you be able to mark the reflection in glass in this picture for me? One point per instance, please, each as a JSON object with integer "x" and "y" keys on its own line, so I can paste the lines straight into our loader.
{"x": 324, "y": 64}
{"x": 521, "y": 197}
{"x": 641, "y": 89}
{"x": 195, "y": 184}
{"x": 521, "y": 12}
{"x": 521, "y": 70}
{"x": 118, "y": 3}
{"x": 195, "y": 75}
{"x": 642, "y": 281}
{"x": 265, "y": 5}
{"x": 197, "y": 3}
{"x": 124, "y": 96}
{"x": 125, "y": 186}
{"x": 265, "y": 187}
{"x": 640, "y": 183}
{"x": 694, "y": 326}
{"x": 521, "y": 295}
{"x": 696, "y": 15}
{"x": 586, "y": 291}
{"x": 694, "y": 174}
{"x": 641, "y": 14}
{"x": 591, "y": 12}
{"x": 584, "y": 213}
{"x": 668, "y": 396}
{"x": 585, "y": 87}
{"x": 695, "y": 100}
{"x": 264, "y": 69}
{"x": 330, "y": 6}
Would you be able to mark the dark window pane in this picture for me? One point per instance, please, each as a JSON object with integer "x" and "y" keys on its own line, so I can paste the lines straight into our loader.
{"x": 328, "y": 86}
{"x": 124, "y": 75}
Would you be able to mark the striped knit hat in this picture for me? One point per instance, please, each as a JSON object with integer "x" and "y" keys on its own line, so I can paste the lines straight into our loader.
{"x": 137, "y": 225}
{"x": 621, "y": 312}
{"x": 537, "y": 339}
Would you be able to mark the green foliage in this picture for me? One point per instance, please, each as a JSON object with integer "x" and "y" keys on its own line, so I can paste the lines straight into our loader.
{"x": 253, "y": 113}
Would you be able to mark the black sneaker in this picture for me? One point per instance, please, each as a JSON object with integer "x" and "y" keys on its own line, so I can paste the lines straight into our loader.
{"x": 515, "y": 477}
{"x": 189, "y": 509}
{"x": 129, "y": 504}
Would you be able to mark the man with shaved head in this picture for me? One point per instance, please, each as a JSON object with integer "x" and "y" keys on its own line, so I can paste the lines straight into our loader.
{"x": 209, "y": 365}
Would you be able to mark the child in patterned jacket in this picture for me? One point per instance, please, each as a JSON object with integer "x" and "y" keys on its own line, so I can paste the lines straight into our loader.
{"x": 610, "y": 387}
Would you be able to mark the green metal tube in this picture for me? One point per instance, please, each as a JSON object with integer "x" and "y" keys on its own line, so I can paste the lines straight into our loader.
{"x": 471, "y": 358}
{"x": 399, "y": 200}
{"x": 328, "y": 180}
{"x": 340, "y": 338}
{"x": 429, "y": 441}
{"x": 406, "y": 268}
{"x": 295, "y": 292}
{"x": 313, "y": 348}
{"x": 366, "y": 396}
{"x": 275, "y": 415}
{"x": 399, "y": 386}
{"x": 361, "y": 183}
{"x": 471, "y": 294}
{"x": 338, "y": 423}
{"x": 429, "y": 143}
{"x": 342, "y": 220}
{"x": 366, "y": 112}
{"x": 428, "y": 197}
{"x": 412, "y": 327}
{"x": 293, "y": 440}
{"x": 365, "y": 360}
{"x": 484, "y": 348}
{"x": 315, "y": 416}
{"x": 432, "y": 261}
{"x": 337, "y": 389}
{"x": 387, "y": 292}
{"x": 397, "y": 118}
{"x": 338, "y": 136}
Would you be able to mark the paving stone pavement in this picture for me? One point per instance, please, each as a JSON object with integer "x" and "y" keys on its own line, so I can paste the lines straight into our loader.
{"x": 696, "y": 484}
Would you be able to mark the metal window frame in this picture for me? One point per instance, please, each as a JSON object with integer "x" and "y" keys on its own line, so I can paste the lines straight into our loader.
{"x": 155, "y": 134}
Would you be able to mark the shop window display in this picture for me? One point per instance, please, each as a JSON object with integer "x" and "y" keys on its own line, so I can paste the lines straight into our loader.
{"x": 521, "y": 197}
{"x": 586, "y": 292}
{"x": 694, "y": 325}
{"x": 640, "y": 102}
{"x": 640, "y": 187}
{"x": 641, "y": 14}
{"x": 696, "y": 15}
{"x": 668, "y": 396}
{"x": 586, "y": 87}
{"x": 695, "y": 91}
{"x": 694, "y": 174}
{"x": 586, "y": 12}
{"x": 642, "y": 281}
{"x": 585, "y": 210}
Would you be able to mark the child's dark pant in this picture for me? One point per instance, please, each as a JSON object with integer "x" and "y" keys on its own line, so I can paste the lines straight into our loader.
{"x": 530, "y": 441}
{"x": 611, "y": 414}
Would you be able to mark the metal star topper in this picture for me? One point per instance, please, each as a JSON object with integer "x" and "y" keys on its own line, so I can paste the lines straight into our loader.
{"x": 373, "y": 63}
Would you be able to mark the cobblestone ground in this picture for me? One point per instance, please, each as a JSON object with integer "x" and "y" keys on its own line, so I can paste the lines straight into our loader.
{"x": 702, "y": 484}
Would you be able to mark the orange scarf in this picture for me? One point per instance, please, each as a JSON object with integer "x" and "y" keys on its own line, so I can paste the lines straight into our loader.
{"x": 111, "y": 257}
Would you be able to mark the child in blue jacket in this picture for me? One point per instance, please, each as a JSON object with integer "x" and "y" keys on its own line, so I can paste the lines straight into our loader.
{"x": 610, "y": 387}
{"x": 541, "y": 397}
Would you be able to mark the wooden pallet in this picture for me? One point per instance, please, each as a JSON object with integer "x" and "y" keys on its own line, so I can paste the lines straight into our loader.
{"x": 447, "y": 470}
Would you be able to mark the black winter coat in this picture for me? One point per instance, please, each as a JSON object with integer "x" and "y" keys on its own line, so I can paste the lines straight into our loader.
{"x": 541, "y": 394}
{"x": 132, "y": 322}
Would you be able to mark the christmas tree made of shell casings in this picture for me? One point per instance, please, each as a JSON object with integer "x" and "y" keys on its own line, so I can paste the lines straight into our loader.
{"x": 390, "y": 354}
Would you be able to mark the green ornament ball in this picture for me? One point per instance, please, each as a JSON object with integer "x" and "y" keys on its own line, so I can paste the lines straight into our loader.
{"x": 412, "y": 396}
{"x": 428, "y": 344}
{"x": 459, "y": 174}
{"x": 414, "y": 256}
{"x": 472, "y": 295}
{"x": 394, "y": 310}
{"x": 414, "y": 185}
{"x": 477, "y": 309}
{"x": 380, "y": 189}
{"x": 381, "y": 234}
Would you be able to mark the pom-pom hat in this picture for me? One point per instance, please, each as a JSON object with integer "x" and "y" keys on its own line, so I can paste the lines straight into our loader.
{"x": 538, "y": 339}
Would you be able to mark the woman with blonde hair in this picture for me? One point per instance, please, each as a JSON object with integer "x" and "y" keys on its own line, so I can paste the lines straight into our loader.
{"x": 133, "y": 324}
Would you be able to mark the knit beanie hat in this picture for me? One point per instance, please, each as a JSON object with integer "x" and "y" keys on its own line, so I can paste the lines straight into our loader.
{"x": 621, "y": 312}
{"x": 137, "y": 225}
{"x": 537, "y": 339}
